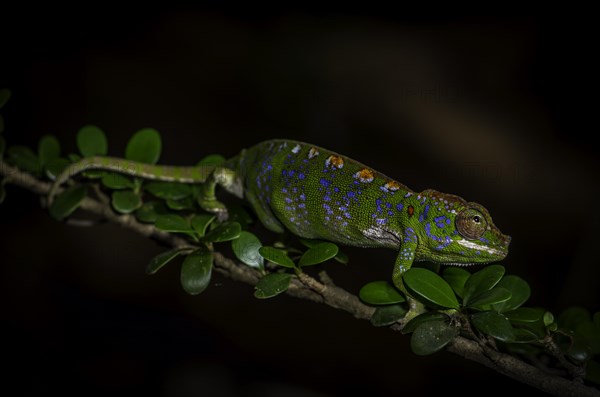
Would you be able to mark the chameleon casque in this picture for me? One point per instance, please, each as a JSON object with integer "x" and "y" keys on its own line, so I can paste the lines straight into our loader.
{"x": 318, "y": 194}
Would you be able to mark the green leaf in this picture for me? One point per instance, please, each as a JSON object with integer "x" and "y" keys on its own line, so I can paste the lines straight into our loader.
{"x": 185, "y": 203}
{"x": 483, "y": 280}
{"x": 525, "y": 315}
{"x": 162, "y": 259}
{"x": 272, "y": 284}
{"x": 238, "y": 214}
{"x": 125, "y": 201}
{"x": 430, "y": 287}
{"x": 168, "y": 190}
{"x": 224, "y": 232}
{"x": 144, "y": 146}
{"x": 432, "y": 336}
{"x": 486, "y": 299}
{"x": 196, "y": 271}
{"x": 380, "y": 293}
{"x": 592, "y": 371}
{"x": 68, "y": 201}
{"x": 456, "y": 277}
{"x": 91, "y": 141}
{"x": 524, "y": 335}
{"x": 212, "y": 159}
{"x": 56, "y": 166}
{"x": 200, "y": 222}
{"x": 519, "y": 290}
{"x": 4, "y": 96}
{"x": 387, "y": 315}
{"x": 48, "y": 149}
{"x": 150, "y": 211}
{"x": 341, "y": 257}
{"x": 172, "y": 223}
{"x": 590, "y": 333}
{"x": 24, "y": 158}
{"x": 318, "y": 254}
{"x": 246, "y": 248}
{"x": 113, "y": 180}
{"x": 277, "y": 256}
{"x": 423, "y": 318}
{"x": 549, "y": 319}
{"x": 494, "y": 324}
{"x": 570, "y": 318}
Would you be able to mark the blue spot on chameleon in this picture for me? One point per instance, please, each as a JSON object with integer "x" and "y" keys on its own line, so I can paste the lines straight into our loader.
{"x": 324, "y": 182}
{"x": 424, "y": 214}
{"x": 399, "y": 206}
{"x": 440, "y": 221}
{"x": 336, "y": 189}
{"x": 485, "y": 240}
{"x": 301, "y": 175}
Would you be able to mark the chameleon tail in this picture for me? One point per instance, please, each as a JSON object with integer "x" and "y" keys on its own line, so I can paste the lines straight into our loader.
{"x": 198, "y": 174}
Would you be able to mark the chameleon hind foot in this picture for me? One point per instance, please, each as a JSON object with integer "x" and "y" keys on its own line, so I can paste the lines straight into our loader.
{"x": 414, "y": 309}
{"x": 215, "y": 207}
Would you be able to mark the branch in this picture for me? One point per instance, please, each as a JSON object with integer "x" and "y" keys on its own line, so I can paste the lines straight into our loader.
{"x": 324, "y": 291}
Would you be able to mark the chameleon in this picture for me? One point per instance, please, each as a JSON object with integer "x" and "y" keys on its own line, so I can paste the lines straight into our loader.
{"x": 316, "y": 193}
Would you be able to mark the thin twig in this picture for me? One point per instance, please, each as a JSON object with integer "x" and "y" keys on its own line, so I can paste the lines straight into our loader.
{"x": 305, "y": 287}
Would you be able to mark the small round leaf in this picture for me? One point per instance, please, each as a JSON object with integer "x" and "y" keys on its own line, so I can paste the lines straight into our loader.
{"x": 125, "y": 201}
{"x": 113, "y": 180}
{"x": 24, "y": 158}
{"x": 486, "y": 299}
{"x": 212, "y": 159}
{"x": 162, "y": 259}
{"x": 380, "y": 293}
{"x": 48, "y": 149}
{"x": 225, "y": 232}
{"x": 277, "y": 256}
{"x": 432, "y": 336}
{"x": 196, "y": 271}
{"x": 200, "y": 222}
{"x": 483, "y": 280}
{"x": 430, "y": 287}
{"x": 519, "y": 290}
{"x": 150, "y": 211}
{"x": 144, "y": 146}
{"x": 456, "y": 277}
{"x": 494, "y": 324}
{"x": 65, "y": 203}
{"x": 172, "y": 223}
{"x": 56, "y": 166}
{"x": 246, "y": 248}
{"x": 168, "y": 190}
{"x": 91, "y": 141}
{"x": 387, "y": 315}
{"x": 272, "y": 284}
{"x": 525, "y": 315}
{"x": 423, "y": 318}
{"x": 318, "y": 254}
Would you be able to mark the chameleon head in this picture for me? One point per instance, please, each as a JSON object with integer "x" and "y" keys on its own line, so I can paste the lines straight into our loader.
{"x": 463, "y": 235}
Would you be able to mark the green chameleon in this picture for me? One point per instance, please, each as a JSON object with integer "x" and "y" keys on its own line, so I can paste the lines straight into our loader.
{"x": 318, "y": 194}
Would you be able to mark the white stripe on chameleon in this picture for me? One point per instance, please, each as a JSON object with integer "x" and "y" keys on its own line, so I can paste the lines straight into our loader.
{"x": 476, "y": 246}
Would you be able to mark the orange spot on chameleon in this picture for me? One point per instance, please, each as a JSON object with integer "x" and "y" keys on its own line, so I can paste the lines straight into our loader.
{"x": 410, "y": 210}
{"x": 392, "y": 186}
{"x": 334, "y": 161}
{"x": 365, "y": 175}
{"x": 313, "y": 152}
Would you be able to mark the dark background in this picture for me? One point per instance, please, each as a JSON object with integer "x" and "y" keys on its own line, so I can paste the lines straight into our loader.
{"x": 498, "y": 110}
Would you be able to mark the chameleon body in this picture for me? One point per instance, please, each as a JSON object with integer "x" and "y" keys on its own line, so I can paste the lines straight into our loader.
{"x": 318, "y": 194}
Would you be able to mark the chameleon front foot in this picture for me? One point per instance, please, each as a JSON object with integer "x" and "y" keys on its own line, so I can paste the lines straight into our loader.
{"x": 414, "y": 309}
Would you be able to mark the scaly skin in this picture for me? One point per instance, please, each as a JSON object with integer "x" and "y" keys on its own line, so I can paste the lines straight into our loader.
{"x": 318, "y": 194}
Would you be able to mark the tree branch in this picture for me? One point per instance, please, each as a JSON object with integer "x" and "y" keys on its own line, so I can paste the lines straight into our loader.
{"x": 325, "y": 291}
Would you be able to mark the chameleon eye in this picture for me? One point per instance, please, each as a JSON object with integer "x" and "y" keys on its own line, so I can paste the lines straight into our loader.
{"x": 470, "y": 223}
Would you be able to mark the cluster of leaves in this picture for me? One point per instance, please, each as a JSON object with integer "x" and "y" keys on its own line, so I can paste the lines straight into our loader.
{"x": 485, "y": 304}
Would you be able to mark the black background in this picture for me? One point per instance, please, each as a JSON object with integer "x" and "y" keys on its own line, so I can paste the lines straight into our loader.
{"x": 499, "y": 110}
